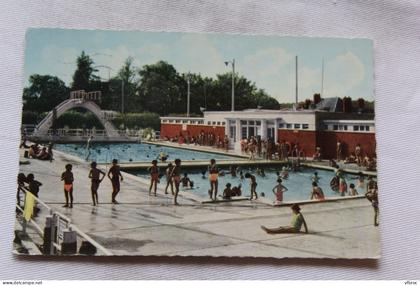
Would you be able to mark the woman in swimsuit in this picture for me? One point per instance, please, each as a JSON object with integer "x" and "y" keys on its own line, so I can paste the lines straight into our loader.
{"x": 154, "y": 177}
{"x": 115, "y": 179}
{"x": 213, "y": 177}
{"x": 176, "y": 178}
{"x": 67, "y": 177}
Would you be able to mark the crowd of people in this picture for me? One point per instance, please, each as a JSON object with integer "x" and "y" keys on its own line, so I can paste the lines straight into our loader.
{"x": 38, "y": 152}
{"x": 202, "y": 139}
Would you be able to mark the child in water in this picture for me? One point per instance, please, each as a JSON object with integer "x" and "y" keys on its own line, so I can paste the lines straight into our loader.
{"x": 94, "y": 175}
{"x": 154, "y": 177}
{"x": 296, "y": 224}
{"x": 315, "y": 177}
{"x": 317, "y": 192}
{"x": 284, "y": 173}
{"x": 67, "y": 177}
{"x": 353, "y": 191}
{"x": 186, "y": 181}
{"x": 278, "y": 191}
{"x": 253, "y": 184}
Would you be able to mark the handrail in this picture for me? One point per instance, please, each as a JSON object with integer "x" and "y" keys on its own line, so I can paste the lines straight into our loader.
{"x": 70, "y": 225}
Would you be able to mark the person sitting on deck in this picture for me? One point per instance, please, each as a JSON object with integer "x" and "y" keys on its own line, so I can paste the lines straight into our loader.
{"x": 297, "y": 221}
{"x": 227, "y": 192}
{"x": 317, "y": 154}
{"x": 237, "y": 190}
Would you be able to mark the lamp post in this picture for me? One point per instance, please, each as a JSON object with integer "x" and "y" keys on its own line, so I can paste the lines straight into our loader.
{"x": 188, "y": 77}
{"x": 232, "y": 62}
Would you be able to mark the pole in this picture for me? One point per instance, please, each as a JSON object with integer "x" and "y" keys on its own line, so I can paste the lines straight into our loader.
{"x": 296, "y": 69}
{"x": 322, "y": 79}
{"x": 233, "y": 85}
{"x": 188, "y": 95}
{"x": 122, "y": 96}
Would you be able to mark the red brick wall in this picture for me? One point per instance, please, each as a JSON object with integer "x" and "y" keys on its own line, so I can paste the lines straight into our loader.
{"x": 306, "y": 139}
{"x": 309, "y": 140}
{"x": 173, "y": 130}
{"x": 170, "y": 130}
{"x": 328, "y": 143}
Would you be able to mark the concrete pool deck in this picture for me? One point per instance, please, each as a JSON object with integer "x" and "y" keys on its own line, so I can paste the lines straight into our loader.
{"x": 144, "y": 225}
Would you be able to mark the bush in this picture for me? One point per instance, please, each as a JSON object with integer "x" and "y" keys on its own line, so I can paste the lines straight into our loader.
{"x": 76, "y": 119}
{"x": 32, "y": 117}
{"x": 137, "y": 121}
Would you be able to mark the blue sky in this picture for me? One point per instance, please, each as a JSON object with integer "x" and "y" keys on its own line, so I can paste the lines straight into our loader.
{"x": 269, "y": 61}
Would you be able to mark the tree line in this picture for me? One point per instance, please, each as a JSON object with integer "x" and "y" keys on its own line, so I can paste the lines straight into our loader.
{"x": 154, "y": 88}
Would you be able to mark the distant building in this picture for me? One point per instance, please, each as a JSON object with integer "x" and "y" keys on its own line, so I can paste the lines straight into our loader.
{"x": 322, "y": 124}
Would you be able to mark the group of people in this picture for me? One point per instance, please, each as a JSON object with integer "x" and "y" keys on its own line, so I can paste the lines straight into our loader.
{"x": 38, "y": 152}
{"x": 356, "y": 157}
{"x": 202, "y": 139}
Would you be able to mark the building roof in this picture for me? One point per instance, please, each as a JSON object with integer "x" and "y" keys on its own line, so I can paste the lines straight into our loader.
{"x": 329, "y": 104}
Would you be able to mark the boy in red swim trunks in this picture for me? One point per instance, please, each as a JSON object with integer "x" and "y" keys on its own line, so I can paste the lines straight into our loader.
{"x": 67, "y": 177}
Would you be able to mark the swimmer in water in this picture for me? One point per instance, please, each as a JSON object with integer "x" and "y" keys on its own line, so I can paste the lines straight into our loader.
{"x": 284, "y": 173}
{"x": 315, "y": 177}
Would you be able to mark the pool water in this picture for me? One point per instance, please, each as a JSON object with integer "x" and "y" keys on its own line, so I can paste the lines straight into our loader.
{"x": 299, "y": 184}
{"x": 134, "y": 152}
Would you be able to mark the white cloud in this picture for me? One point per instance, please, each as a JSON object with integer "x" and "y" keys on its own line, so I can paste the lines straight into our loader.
{"x": 343, "y": 74}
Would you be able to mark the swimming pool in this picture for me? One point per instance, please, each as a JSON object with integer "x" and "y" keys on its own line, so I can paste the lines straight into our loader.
{"x": 134, "y": 152}
{"x": 299, "y": 184}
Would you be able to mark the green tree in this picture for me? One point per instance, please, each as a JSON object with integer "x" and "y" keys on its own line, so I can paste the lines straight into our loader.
{"x": 84, "y": 74}
{"x": 44, "y": 93}
{"x": 159, "y": 88}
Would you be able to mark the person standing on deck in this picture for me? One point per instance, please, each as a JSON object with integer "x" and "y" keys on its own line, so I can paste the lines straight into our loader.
{"x": 253, "y": 184}
{"x": 176, "y": 178}
{"x": 94, "y": 175}
{"x": 115, "y": 179}
{"x": 154, "y": 177}
{"x": 213, "y": 177}
{"x": 67, "y": 177}
{"x": 169, "y": 181}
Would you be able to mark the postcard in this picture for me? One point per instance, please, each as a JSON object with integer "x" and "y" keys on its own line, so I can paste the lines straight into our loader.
{"x": 180, "y": 144}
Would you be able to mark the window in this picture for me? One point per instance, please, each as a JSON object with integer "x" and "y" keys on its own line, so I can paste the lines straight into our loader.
{"x": 297, "y": 126}
{"x": 258, "y": 123}
{"x": 218, "y": 123}
{"x": 208, "y": 123}
{"x": 251, "y": 123}
{"x": 355, "y": 128}
{"x": 281, "y": 126}
{"x": 213, "y": 123}
{"x": 367, "y": 128}
{"x": 345, "y": 127}
{"x": 184, "y": 121}
{"x": 362, "y": 128}
{"x": 289, "y": 126}
{"x": 335, "y": 127}
{"x": 223, "y": 123}
{"x": 244, "y": 123}
{"x": 177, "y": 121}
{"x": 305, "y": 126}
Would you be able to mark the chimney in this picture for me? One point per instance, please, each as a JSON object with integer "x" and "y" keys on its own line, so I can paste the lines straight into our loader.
{"x": 317, "y": 98}
{"x": 347, "y": 108}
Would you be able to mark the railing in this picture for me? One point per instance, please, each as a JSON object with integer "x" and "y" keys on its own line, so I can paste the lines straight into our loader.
{"x": 56, "y": 226}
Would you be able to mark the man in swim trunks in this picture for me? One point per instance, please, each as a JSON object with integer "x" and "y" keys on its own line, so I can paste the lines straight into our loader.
{"x": 296, "y": 224}
{"x": 94, "y": 175}
{"x": 115, "y": 179}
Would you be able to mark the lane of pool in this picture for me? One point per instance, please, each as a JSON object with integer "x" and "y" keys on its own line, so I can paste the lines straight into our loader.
{"x": 134, "y": 152}
{"x": 299, "y": 183}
